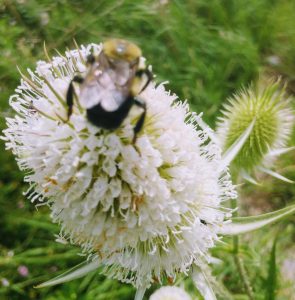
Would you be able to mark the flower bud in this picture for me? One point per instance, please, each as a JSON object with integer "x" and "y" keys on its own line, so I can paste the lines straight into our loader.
{"x": 269, "y": 107}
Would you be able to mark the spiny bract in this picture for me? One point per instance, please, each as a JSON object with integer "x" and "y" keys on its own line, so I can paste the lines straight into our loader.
{"x": 269, "y": 107}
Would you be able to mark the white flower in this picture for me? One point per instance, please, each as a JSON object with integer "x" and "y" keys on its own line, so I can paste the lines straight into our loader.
{"x": 147, "y": 210}
{"x": 170, "y": 293}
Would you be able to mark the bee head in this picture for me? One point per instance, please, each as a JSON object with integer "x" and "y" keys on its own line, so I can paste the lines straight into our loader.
{"x": 118, "y": 49}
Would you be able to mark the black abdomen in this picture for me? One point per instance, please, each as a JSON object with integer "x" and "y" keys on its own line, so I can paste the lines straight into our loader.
{"x": 109, "y": 119}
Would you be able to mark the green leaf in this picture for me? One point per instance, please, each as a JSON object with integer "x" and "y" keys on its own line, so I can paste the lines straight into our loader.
{"x": 275, "y": 174}
{"x": 203, "y": 283}
{"x": 248, "y": 177}
{"x": 140, "y": 293}
{"x": 74, "y": 273}
{"x": 207, "y": 284}
{"x": 271, "y": 282}
{"x": 234, "y": 149}
{"x": 241, "y": 225}
{"x": 280, "y": 151}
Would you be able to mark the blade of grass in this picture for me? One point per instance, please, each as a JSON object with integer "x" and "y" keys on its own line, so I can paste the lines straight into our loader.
{"x": 271, "y": 282}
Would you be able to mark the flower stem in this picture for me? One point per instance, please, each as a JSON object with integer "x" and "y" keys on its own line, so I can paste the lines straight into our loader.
{"x": 240, "y": 263}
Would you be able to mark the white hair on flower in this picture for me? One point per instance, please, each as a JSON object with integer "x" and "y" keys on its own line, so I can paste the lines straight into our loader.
{"x": 147, "y": 210}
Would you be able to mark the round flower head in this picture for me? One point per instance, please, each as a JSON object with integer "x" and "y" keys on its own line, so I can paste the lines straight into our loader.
{"x": 170, "y": 293}
{"x": 147, "y": 210}
{"x": 269, "y": 107}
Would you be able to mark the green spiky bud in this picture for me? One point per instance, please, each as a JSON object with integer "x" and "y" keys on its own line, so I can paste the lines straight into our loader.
{"x": 269, "y": 106}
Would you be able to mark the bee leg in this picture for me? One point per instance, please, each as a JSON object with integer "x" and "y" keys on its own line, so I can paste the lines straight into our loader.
{"x": 90, "y": 59}
{"x": 149, "y": 76}
{"x": 70, "y": 94}
{"x": 141, "y": 119}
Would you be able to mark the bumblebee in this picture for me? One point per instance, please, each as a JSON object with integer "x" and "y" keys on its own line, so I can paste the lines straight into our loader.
{"x": 114, "y": 79}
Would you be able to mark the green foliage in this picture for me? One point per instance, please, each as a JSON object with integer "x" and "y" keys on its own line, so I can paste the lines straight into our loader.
{"x": 271, "y": 283}
{"x": 206, "y": 49}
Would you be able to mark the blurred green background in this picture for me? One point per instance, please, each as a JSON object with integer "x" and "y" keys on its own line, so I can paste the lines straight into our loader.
{"x": 206, "y": 50}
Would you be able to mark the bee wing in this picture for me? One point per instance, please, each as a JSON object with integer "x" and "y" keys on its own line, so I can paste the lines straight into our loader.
{"x": 96, "y": 92}
{"x": 112, "y": 100}
{"x": 90, "y": 94}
